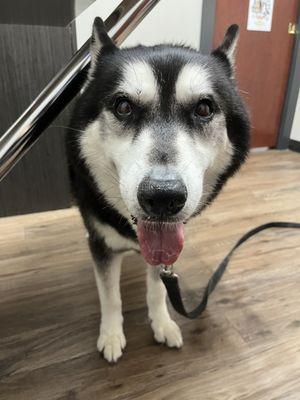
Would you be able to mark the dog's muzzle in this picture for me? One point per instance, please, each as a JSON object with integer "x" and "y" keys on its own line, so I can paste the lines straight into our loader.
{"x": 162, "y": 194}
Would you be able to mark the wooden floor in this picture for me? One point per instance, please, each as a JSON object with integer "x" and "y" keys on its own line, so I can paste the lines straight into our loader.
{"x": 245, "y": 346}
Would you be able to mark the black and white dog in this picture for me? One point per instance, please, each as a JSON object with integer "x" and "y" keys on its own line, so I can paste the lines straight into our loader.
{"x": 155, "y": 134}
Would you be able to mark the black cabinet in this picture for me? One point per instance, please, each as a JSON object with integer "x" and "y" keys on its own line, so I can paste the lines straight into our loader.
{"x": 34, "y": 46}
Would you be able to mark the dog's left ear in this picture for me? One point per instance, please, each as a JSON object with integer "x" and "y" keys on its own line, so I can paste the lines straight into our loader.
{"x": 100, "y": 42}
{"x": 226, "y": 50}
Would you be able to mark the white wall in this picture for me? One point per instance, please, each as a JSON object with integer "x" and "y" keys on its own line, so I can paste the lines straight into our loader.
{"x": 84, "y": 22}
{"x": 295, "y": 134}
{"x": 175, "y": 21}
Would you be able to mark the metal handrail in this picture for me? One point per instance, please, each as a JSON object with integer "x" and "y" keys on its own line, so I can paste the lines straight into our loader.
{"x": 19, "y": 138}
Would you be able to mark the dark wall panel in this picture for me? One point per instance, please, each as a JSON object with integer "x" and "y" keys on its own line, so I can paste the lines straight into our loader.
{"x": 29, "y": 58}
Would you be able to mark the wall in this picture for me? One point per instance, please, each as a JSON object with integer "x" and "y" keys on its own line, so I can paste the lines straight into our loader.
{"x": 295, "y": 133}
{"x": 170, "y": 21}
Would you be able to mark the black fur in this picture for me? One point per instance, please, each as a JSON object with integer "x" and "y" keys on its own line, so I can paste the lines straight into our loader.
{"x": 167, "y": 62}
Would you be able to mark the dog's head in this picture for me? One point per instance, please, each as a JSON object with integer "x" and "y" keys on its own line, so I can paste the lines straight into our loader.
{"x": 169, "y": 123}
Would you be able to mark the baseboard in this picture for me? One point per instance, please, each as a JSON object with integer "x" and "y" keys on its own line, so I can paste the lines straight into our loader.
{"x": 258, "y": 149}
{"x": 294, "y": 145}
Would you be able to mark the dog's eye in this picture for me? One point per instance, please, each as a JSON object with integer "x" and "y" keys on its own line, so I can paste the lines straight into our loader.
{"x": 204, "y": 109}
{"x": 123, "y": 107}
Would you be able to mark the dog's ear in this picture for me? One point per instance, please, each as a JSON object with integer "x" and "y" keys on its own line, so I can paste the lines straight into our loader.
{"x": 226, "y": 51}
{"x": 100, "y": 42}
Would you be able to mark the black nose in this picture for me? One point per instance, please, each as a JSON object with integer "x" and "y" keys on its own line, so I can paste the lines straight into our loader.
{"x": 162, "y": 198}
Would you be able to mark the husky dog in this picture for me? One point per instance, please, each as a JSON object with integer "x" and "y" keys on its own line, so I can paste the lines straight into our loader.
{"x": 155, "y": 134}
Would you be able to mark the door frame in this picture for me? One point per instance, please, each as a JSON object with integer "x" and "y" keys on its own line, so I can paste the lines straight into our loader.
{"x": 291, "y": 96}
{"x": 293, "y": 85}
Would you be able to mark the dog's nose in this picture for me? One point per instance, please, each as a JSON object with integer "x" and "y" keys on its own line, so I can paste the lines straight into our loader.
{"x": 162, "y": 198}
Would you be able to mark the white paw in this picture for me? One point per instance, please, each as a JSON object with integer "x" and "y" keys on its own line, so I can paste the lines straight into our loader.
{"x": 167, "y": 331}
{"x": 111, "y": 343}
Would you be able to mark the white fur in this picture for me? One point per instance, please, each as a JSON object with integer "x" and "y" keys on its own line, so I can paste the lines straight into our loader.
{"x": 133, "y": 167}
{"x": 111, "y": 339}
{"x": 164, "y": 328}
{"x": 112, "y": 238}
{"x": 192, "y": 83}
{"x": 200, "y": 161}
{"x": 211, "y": 174}
{"x": 139, "y": 82}
{"x": 130, "y": 159}
{"x": 97, "y": 151}
{"x": 118, "y": 163}
{"x": 221, "y": 150}
{"x": 231, "y": 52}
{"x": 95, "y": 49}
{"x": 193, "y": 160}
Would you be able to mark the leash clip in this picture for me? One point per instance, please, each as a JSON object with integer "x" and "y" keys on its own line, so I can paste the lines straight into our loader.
{"x": 167, "y": 271}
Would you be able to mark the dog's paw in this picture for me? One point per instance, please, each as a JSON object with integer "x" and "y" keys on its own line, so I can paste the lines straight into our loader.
{"x": 167, "y": 331}
{"x": 111, "y": 343}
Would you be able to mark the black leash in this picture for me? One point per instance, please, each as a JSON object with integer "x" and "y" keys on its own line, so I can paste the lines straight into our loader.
{"x": 170, "y": 279}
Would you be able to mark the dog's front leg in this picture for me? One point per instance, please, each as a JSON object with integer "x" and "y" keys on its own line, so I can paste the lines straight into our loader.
{"x": 164, "y": 328}
{"x": 107, "y": 269}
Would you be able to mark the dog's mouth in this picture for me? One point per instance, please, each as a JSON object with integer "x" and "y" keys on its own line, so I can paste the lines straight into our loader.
{"x": 160, "y": 242}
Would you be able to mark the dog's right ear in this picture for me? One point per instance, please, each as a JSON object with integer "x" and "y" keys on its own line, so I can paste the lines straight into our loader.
{"x": 100, "y": 42}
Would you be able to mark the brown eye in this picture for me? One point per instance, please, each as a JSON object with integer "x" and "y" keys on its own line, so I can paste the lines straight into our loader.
{"x": 204, "y": 109}
{"x": 123, "y": 107}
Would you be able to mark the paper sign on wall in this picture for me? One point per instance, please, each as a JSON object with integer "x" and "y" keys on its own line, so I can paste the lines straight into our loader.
{"x": 260, "y": 14}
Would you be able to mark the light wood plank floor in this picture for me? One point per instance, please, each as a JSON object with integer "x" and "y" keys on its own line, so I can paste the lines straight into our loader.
{"x": 245, "y": 346}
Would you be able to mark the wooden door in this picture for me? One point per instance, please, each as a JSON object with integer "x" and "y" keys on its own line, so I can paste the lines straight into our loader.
{"x": 262, "y": 63}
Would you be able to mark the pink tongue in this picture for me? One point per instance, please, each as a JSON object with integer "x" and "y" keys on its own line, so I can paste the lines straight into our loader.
{"x": 160, "y": 243}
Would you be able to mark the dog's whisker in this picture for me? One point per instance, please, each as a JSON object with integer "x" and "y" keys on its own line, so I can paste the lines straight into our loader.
{"x": 66, "y": 127}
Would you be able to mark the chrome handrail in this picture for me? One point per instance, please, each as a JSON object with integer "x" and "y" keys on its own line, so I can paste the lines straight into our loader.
{"x": 19, "y": 138}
